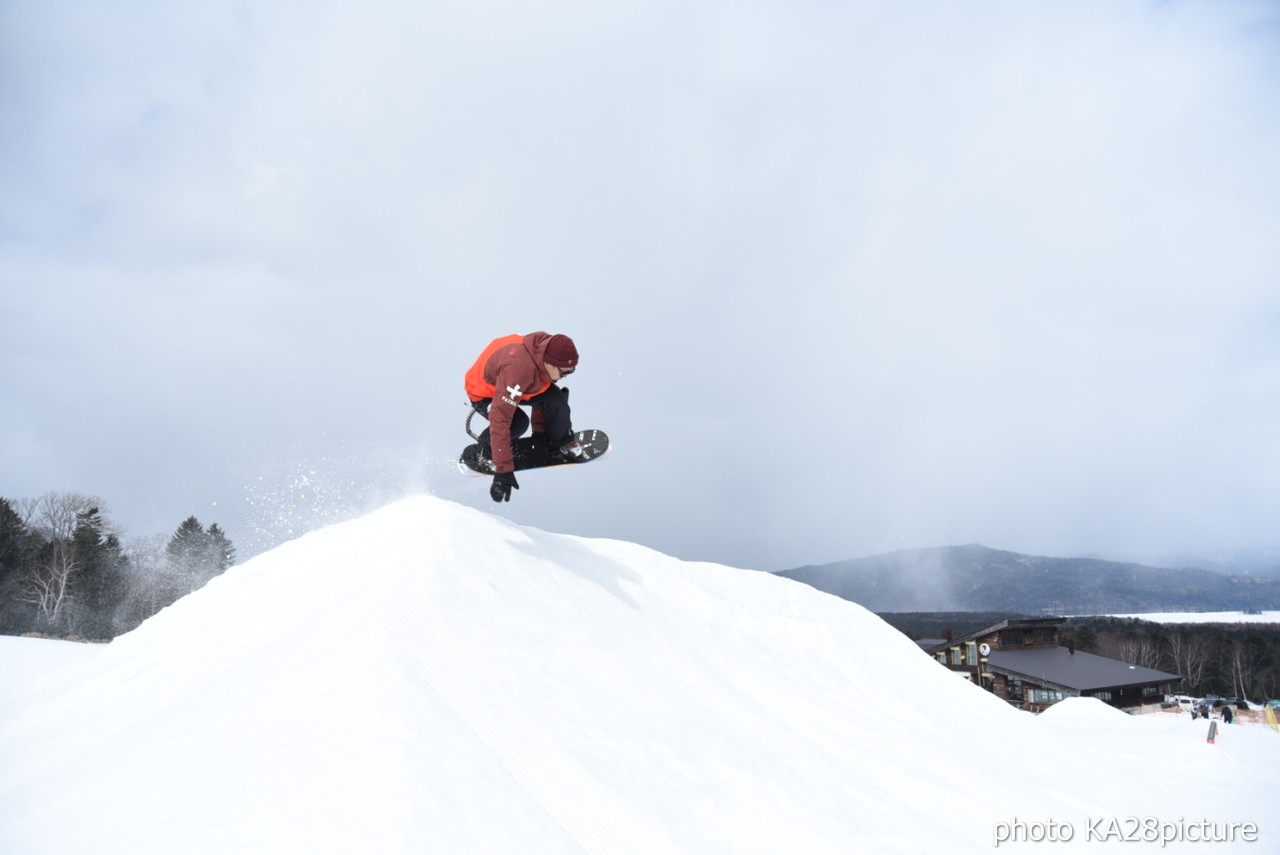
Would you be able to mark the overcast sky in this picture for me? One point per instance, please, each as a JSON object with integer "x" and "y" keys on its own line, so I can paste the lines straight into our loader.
{"x": 844, "y": 277}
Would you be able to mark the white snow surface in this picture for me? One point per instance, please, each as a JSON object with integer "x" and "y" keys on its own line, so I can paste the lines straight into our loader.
{"x": 434, "y": 679}
{"x": 1205, "y": 617}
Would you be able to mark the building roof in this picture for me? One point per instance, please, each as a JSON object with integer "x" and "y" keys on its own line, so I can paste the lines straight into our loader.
{"x": 1082, "y": 672}
{"x": 939, "y": 644}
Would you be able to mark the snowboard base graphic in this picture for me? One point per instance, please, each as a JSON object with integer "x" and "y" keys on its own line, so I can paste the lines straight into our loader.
{"x": 531, "y": 452}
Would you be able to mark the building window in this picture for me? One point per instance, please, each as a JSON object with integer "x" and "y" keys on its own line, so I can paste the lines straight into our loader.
{"x": 1150, "y": 690}
{"x": 956, "y": 658}
{"x": 1045, "y": 696}
{"x": 1045, "y": 635}
{"x": 1102, "y": 696}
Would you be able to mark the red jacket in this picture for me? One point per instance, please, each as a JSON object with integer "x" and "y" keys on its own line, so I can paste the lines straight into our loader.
{"x": 511, "y": 370}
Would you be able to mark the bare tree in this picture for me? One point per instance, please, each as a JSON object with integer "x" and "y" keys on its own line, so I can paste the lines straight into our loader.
{"x": 1243, "y": 665}
{"x": 155, "y": 585}
{"x": 1191, "y": 653}
{"x": 1268, "y": 681}
{"x": 148, "y": 554}
{"x": 55, "y": 515}
{"x": 1141, "y": 650}
{"x": 49, "y": 585}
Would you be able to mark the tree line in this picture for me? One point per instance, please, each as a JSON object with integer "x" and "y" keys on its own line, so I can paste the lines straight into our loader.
{"x": 1240, "y": 660}
{"x": 65, "y": 572}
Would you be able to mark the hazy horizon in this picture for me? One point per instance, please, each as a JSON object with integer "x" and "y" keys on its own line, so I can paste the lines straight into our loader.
{"x": 843, "y": 278}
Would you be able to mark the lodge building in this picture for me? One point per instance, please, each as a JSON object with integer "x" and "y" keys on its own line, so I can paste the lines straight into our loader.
{"x": 1021, "y": 661}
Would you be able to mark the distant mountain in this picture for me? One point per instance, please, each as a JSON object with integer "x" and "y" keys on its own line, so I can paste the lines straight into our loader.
{"x": 977, "y": 578}
{"x": 1235, "y": 562}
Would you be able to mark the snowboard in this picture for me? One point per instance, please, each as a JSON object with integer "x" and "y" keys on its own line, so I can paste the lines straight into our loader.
{"x": 529, "y": 453}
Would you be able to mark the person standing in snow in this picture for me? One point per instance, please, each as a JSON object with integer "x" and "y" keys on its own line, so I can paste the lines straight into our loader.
{"x": 518, "y": 370}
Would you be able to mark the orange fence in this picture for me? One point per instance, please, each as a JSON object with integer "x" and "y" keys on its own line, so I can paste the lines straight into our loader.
{"x": 1259, "y": 717}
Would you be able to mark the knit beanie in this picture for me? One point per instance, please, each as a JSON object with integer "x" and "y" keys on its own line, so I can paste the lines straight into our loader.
{"x": 561, "y": 353}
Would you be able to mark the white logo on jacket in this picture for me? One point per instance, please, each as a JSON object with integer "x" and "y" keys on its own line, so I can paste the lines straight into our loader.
{"x": 513, "y": 394}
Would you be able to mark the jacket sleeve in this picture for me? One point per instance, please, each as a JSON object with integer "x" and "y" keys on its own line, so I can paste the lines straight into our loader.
{"x": 510, "y": 385}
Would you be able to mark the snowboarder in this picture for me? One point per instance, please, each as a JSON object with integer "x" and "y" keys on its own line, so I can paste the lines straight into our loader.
{"x": 517, "y": 370}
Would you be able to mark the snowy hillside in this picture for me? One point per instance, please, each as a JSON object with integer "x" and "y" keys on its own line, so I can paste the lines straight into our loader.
{"x": 431, "y": 678}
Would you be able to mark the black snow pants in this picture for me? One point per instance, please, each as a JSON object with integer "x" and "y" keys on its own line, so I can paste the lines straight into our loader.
{"x": 554, "y": 405}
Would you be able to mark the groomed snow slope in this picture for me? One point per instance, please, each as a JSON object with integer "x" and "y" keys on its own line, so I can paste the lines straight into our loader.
{"x": 431, "y": 678}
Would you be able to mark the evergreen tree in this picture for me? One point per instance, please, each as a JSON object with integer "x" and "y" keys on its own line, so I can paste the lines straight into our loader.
{"x": 186, "y": 548}
{"x": 18, "y": 548}
{"x": 198, "y": 554}
{"x": 103, "y": 577}
{"x": 221, "y": 552}
{"x": 1086, "y": 639}
{"x": 14, "y": 543}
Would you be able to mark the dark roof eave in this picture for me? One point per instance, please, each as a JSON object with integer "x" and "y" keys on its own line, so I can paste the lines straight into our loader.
{"x": 997, "y": 627}
{"x": 1154, "y": 678}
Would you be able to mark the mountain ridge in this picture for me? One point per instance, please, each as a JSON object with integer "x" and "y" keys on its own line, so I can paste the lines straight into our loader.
{"x": 973, "y": 577}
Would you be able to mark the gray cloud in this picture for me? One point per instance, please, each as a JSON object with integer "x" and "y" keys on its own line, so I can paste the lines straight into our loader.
{"x": 844, "y": 278}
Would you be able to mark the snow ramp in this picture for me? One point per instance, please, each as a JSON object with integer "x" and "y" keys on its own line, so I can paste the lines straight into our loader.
{"x": 434, "y": 679}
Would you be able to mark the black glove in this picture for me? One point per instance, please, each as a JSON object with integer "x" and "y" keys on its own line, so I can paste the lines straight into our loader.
{"x": 503, "y": 484}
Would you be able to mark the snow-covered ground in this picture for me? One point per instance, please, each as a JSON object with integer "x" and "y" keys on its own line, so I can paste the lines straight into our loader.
{"x": 1205, "y": 617}
{"x": 432, "y": 678}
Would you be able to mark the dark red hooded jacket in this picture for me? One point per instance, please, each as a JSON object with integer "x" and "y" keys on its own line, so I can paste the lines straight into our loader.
{"x": 511, "y": 370}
